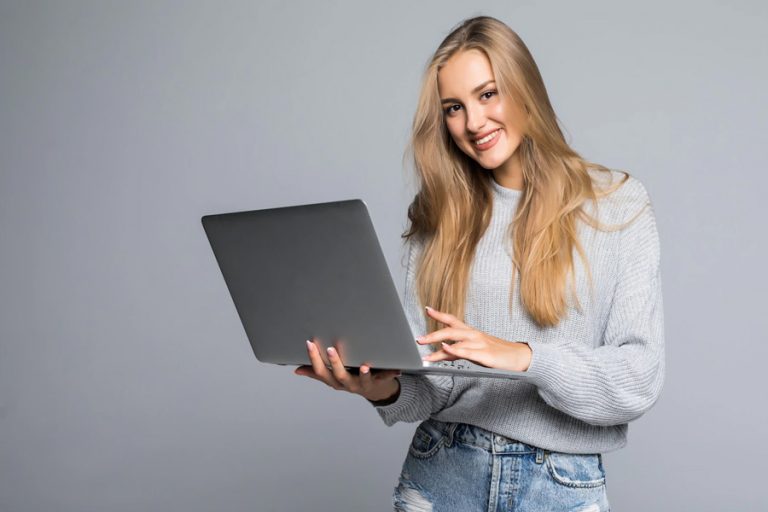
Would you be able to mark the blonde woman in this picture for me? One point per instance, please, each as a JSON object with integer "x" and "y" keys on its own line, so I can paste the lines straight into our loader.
{"x": 522, "y": 256}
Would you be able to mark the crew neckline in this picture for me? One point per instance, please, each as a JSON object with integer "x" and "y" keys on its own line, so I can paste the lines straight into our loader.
{"x": 504, "y": 192}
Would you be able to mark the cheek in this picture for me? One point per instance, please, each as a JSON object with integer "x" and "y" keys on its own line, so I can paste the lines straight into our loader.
{"x": 504, "y": 111}
{"x": 455, "y": 130}
{"x": 497, "y": 110}
{"x": 498, "y": 113}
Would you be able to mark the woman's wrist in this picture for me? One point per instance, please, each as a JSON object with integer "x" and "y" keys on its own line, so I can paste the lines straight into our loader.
{"x": 526, "y": 356}
{"x": 391, "y": 398}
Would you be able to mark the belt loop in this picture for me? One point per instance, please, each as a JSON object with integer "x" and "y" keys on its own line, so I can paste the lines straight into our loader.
{"x": 539, "y": 456}
{"x": 451, "y": 432}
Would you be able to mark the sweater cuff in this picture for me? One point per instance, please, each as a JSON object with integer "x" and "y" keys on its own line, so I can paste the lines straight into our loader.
{"x": 405, "y": 400}
{"x": 544, "y": 368}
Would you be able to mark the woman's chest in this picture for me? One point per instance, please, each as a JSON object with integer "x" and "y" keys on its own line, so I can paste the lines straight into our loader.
{"x": 494, "y": 294}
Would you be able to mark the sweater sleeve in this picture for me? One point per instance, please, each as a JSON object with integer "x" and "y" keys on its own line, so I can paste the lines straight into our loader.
{"x": 622, "y": 378}
{"x": 420, "y": 395}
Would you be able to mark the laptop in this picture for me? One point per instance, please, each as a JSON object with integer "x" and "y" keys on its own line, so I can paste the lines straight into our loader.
{"x": 317, "y": 270}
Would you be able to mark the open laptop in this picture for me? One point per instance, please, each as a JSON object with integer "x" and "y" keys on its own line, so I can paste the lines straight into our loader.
{"x": 318, "y": 270}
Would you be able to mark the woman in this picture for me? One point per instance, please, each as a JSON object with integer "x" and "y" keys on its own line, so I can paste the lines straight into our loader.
{"x": 534, "y": 260}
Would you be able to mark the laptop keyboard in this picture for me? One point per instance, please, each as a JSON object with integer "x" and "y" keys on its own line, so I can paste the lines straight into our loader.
{"x": 458, "y": 364}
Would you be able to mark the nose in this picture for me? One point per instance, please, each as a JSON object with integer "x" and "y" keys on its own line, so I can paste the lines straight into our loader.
{"x": 475, "y": 119}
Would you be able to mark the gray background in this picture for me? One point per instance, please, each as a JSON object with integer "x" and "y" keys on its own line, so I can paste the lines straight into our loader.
{"x": 126, "y": 380}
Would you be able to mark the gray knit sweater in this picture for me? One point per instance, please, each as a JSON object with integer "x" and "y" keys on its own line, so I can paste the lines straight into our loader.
{"x": 592, "y": 373}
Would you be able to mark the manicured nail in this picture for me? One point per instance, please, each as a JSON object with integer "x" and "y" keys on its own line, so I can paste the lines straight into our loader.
{"x": 309, "y": 344}
{"x": 330, "y": 351}
{"x": 444, "y": 344}
{"x": 429, "y": 308}
{"x": 364, "y": 370}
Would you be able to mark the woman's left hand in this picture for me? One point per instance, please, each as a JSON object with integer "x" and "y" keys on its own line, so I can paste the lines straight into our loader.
{"x": 474, "y": 345}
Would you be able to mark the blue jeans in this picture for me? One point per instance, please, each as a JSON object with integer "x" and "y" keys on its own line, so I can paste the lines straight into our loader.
{"x": 455, "y": 466}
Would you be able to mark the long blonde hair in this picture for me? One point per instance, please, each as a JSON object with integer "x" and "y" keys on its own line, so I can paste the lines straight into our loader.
{"x": 453, "y": 206}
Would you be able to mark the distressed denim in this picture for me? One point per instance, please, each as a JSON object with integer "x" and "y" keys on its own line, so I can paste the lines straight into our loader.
{"x": 456, "y": 466}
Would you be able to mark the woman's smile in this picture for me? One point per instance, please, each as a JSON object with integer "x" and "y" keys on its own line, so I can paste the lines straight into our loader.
{"x": 488, "y": 141}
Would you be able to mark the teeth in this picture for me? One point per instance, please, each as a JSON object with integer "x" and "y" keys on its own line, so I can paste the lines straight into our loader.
{"x": 486, "y": 139}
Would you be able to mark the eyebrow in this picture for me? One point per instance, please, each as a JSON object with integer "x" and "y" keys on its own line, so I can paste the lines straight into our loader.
{"x": 476, "y": 89}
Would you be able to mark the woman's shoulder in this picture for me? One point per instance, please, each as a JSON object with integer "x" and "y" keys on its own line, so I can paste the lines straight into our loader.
{"x": 620, "y": 194}
{"x": 619, "y": 185}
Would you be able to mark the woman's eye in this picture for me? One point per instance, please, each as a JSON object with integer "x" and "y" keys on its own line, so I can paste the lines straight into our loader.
{"x": 448, "y": 110}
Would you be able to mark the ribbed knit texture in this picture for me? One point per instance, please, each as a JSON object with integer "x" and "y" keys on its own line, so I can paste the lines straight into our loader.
{"x": 592, "y": 373}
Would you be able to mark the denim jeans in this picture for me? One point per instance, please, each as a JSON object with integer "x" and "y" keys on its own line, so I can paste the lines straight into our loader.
{"x": 456, "y": 466}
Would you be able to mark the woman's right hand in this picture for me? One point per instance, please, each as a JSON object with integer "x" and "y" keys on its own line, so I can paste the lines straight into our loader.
{"x": 384, "y": 386}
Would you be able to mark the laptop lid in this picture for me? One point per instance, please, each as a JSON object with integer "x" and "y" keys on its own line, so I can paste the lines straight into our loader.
{"x": 317, "y": 270}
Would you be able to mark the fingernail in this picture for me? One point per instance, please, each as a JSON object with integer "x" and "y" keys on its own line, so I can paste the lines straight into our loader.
{"x": 364, "y": 370}
{"x": 444, "y": 344}
{"x": 309, "y": 344}
{"x": 330, "y": 350}
{"x": 419, "y": 338}
{"x": 429, "y": 308}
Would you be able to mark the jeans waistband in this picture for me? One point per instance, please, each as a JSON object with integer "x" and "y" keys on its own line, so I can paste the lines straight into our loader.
{"x": 473, "y": 435}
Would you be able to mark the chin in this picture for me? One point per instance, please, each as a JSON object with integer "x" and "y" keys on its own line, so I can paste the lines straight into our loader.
{"x": 486, "y": 166}
{"x": 490, "y": 163}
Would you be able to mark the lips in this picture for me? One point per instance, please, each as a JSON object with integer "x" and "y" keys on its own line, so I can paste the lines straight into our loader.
{"x": 495, "y": 136}
{"x": 484, "y": 135}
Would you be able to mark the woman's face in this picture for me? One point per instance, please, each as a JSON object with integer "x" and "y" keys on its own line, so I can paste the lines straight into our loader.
{"x": 474, "y": 111}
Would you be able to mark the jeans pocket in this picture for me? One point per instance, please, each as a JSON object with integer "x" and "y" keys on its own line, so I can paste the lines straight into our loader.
{"x": 576, "y": 470}
{"x": 427, "y": 440}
